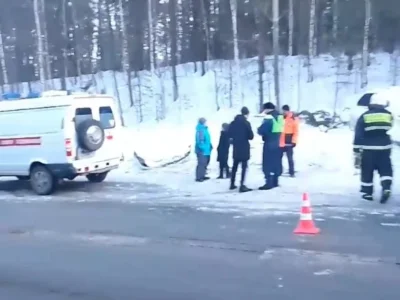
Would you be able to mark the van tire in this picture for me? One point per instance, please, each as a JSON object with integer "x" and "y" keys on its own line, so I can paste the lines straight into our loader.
{"x": 97, "y": 177}
{"x": 84, "y": 139}
{"x": 43, "y": 182}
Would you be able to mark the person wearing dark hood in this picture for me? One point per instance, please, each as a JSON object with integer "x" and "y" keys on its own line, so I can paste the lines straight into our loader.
{"x": 203, "y": 149}
{"x": 241, "y": 133}
{"x": 270, "y": 131}
{"x": 372, "y": 147}
{"x": 223, "y": 152}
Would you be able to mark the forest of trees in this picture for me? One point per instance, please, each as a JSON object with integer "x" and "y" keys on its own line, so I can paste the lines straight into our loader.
{"x": 44, "y": 39}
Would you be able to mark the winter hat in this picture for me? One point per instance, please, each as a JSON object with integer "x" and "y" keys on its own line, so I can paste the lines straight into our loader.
{"x": 202, "y": 121}
{"x": 286, "y": 107}
{"x": 268, "y": 105}
{"x": 244, "y": 111}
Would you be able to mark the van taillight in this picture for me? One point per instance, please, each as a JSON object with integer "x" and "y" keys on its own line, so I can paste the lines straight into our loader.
{"x": 68, "y": 147}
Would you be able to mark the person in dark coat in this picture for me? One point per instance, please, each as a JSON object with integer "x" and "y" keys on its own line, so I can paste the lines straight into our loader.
{"x": 372, "y": 147}
{"x": 223, "y": 152}
{"x": 271, "y": 131}
{"x": 241, "y": 133}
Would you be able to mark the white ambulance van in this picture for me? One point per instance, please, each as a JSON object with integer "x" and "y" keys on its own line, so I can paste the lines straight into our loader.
{"x": 59, "y": 136}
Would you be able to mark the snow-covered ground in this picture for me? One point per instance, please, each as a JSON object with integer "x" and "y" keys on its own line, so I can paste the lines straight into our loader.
{"x": 323, "y": 160}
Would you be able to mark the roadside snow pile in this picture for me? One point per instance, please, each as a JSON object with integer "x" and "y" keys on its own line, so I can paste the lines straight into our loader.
{"x": 320, "y": 157}
{"x": 157, "y": 147}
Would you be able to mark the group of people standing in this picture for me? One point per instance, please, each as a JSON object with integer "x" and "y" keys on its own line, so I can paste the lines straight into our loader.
{"x": 278, "y": 131}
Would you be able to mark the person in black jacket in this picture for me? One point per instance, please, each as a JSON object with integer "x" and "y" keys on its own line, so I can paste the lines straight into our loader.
{"x": 223, "y": 152}
{"x": 241, "y": 133}
{"x": 372, "y": 147}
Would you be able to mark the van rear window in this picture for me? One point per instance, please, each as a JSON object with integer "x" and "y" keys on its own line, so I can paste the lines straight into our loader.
{"x": 82, "y": 114}
{"x": 106, "y": 117}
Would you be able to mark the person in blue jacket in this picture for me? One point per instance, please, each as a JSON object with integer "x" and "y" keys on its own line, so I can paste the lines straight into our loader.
{"x": 270, "y": 131}
{"x": 203, "y": 149}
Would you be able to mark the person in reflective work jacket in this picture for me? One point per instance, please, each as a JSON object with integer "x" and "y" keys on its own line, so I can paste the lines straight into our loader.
{"x": 288, "y": 138}
{"x": 271, "y": 130}
{"x": 372, "y": 147}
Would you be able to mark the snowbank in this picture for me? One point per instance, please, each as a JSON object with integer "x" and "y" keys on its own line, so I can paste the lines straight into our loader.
{"x": 156, "y": 145}
{"x": 324, "y": 162}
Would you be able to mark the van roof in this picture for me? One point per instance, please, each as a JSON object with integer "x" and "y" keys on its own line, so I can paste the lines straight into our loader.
{"x": 56, "y": 101}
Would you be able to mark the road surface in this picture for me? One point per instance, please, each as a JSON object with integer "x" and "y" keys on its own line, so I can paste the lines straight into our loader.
{"x": 117, "y": 249}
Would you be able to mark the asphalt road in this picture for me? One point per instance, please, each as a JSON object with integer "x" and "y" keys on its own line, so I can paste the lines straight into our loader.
{"x": 114, "y": 250}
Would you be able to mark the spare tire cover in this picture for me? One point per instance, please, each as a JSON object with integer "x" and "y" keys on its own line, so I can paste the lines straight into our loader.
{"x": 90, "y": 135}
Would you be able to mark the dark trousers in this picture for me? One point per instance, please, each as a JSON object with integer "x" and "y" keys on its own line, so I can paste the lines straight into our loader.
{"x": 289, "y": 154}
{"x": 208, "y": 157}
{"x": 224, "y": 168}
{"x": 379, "y": 160}
{"x": 271, "y": 165}
{"x": 201, "y": 168}
{"x": 236, "y": 163}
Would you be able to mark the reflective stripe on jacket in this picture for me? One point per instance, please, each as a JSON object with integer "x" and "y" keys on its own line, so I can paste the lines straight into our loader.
{"x": 271, "y": 129}
{"x": 371, "y": 132}
{"x": 290, "y": 131}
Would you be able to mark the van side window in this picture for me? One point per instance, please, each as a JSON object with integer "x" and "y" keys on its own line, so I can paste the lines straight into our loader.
{"x": 106, "y": 117}
{"x": 82, "y": 114}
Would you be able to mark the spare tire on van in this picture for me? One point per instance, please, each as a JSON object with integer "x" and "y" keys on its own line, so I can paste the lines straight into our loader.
{"x": 90, "y": 135}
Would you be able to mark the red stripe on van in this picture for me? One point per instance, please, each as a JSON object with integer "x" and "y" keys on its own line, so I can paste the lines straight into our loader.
{"x": 24, "y": 141}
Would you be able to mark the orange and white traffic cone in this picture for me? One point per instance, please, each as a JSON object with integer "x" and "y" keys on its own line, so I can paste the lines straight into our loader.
{"x": 306, "y": 224}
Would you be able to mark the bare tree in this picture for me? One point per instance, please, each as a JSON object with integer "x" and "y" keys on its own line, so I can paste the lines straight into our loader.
{"x": 174, "y": 46}
{"x": 125, "y": 51}
{"x": 47, "y": 60}
{"x": 365, "y": 53}
{"x": 394, "y": 62}
{"x": 153, "y": 61}
{"x": 94, "y": 4}
{"x": 40, "y": 47}
{"x": 3, "y": 60}
{"x": 335, "y": 20}
{"x": 77, "y": 41}
{"x": 275, "y": 37}
{"x": 311, "y": 33}
{"x": 152, "y": 36}
{"x": 206, "y": 27}
{"x": 233, "y": 4}
{"x": 65, "y": 40}
{"x": 261, "y": 12}
{"x": 291, "y": 27}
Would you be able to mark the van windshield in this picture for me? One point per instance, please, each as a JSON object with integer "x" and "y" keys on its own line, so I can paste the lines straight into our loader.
{"x": 106, "y": 117}
{"x": 82, "y": 114}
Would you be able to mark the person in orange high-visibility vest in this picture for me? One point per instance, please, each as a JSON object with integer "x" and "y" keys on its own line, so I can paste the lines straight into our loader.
{"x": 289, "y": 136}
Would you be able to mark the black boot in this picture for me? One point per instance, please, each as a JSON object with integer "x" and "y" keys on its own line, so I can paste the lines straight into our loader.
{"x": 385, "y": 196}
{"x": 221, "y": 173}
{"x": 367, "y": 197}
{"x": 265, "y": 187}
{"x": 244, "y": 189}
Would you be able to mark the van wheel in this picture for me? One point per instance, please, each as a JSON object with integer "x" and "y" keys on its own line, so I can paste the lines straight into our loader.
{"x": 97, "y": 177}
{"x": 43, "y": 181}
{"x": 23, "y": 177}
